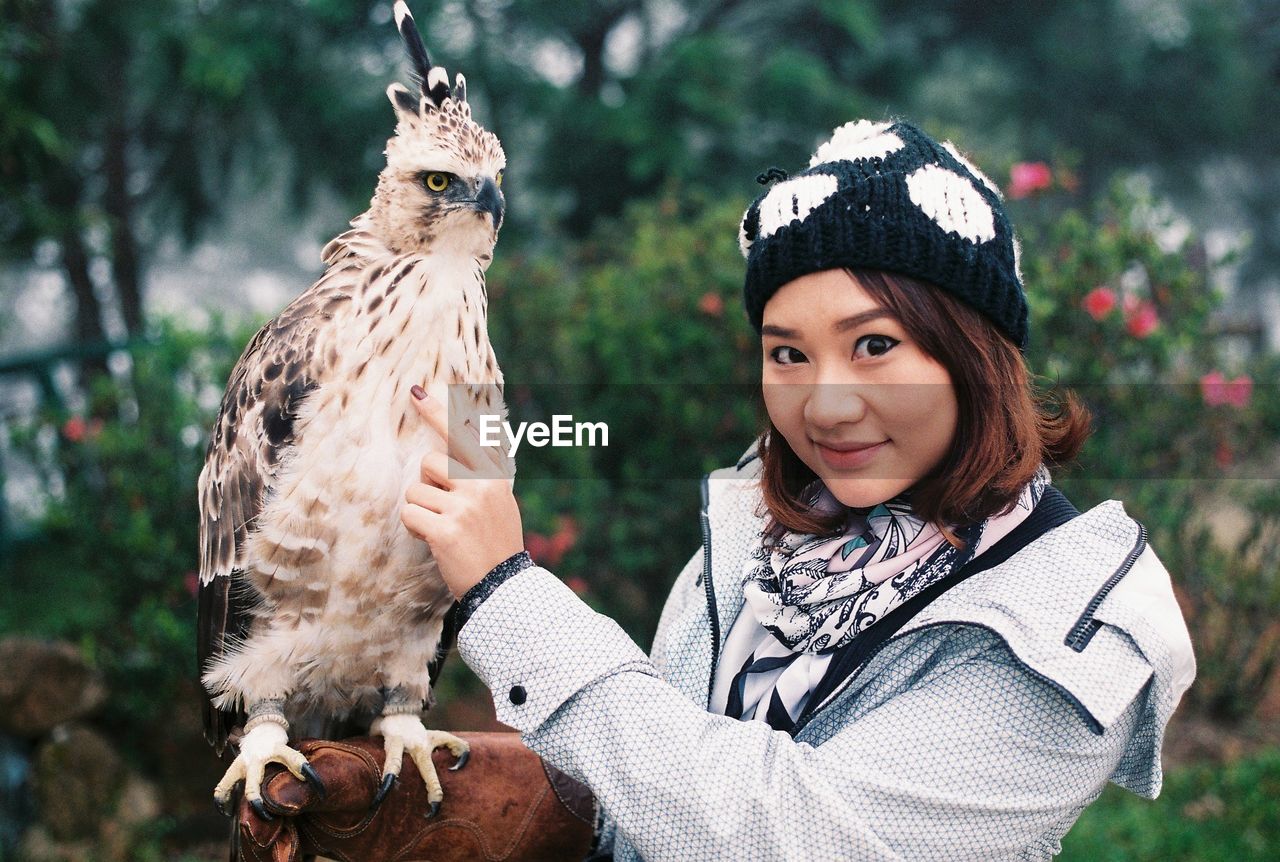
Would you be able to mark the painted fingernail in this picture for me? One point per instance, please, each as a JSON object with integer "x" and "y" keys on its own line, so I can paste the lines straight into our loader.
{"x": 417, "y": 392}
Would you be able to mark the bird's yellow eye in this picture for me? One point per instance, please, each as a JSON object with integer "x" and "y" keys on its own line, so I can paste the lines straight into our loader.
{"x": 498, "y": 179}
{"x": 436, "y": 181}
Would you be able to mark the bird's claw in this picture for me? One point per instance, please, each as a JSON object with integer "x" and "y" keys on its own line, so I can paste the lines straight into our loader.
{"x": 462, "y": 761}
{"x": 227, "y": 807}
{"x": 435, "y": 809}
{"x": 261, "y": 810}
{"x": 387, "y": 782}
{"x": 313, "y": 779}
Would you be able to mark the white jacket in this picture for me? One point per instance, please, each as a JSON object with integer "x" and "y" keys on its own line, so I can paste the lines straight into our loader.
{"x": 979, "y": 731}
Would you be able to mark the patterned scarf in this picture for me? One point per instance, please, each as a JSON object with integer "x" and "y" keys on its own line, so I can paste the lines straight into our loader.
{"x": 815, "y": 594}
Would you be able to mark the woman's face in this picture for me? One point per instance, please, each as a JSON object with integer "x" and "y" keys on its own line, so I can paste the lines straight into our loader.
{"x": 855, "y": 397}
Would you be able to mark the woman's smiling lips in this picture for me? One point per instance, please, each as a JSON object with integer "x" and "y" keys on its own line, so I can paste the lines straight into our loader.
{"x": 843, "y": 456}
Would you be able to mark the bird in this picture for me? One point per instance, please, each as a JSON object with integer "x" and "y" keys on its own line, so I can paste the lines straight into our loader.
{"x": 316, "y": 607}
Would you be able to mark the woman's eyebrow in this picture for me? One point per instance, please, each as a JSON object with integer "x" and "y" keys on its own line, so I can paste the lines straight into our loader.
{"x": 840, "y": 326}
{"x": 861, "y": 318}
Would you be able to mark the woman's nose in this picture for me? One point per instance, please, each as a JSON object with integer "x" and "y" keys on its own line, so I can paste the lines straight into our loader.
{"x": 831, "y": 404}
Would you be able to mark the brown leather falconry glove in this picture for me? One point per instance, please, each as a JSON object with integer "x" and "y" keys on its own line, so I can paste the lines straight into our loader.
{"x": 505, "y": 805}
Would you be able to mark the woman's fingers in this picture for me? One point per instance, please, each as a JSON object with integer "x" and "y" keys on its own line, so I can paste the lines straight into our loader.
{"x": 437, "y": 468}
{"x": 432, "y": 410}
{"x": 464, "y": 445}
{"x": 428, "y": 497}
{"x": 420, "y": 520}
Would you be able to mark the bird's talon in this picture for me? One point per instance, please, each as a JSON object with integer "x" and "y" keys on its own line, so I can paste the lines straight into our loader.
{"x": 435, "y": 809}
{"x": 387, "y": 782}
{"x": 313, "y": 778}
{"x": 462, "y": 760}
{"x": 260, "y": 809}
{"x": 224, "y": 808}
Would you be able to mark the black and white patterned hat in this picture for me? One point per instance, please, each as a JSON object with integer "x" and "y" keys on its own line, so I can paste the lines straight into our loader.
{"x": 887, "y": 196}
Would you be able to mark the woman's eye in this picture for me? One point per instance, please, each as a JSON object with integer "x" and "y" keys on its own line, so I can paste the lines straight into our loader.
{"x": 435, "y": 181}
{"x": 786, "y": 355}
{"x": 873, "y": 345}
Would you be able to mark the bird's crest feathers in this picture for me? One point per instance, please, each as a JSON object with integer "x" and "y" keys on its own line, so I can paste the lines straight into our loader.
{"x": 436, "y": 118}
{"x": 432, "y": 81}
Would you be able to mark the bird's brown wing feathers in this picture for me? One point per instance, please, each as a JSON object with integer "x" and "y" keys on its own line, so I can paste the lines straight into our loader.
{"x": 255, "y": 427}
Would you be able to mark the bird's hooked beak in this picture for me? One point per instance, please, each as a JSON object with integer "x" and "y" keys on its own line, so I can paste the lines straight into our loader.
{"x": 489, "y": 199}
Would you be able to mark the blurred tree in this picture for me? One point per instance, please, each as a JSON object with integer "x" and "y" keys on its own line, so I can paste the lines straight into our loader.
{"x": 123, "y": 123}
{"x": 126, "y": 122}
{"x": 1185, "y": 90}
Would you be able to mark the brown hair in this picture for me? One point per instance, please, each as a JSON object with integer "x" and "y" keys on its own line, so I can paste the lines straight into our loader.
{"x": 1005, "y": 428}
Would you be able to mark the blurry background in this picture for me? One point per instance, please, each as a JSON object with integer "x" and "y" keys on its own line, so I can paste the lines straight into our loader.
{"x": 169, "y": 170}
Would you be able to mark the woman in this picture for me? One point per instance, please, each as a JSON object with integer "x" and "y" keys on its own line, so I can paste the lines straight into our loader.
{"x": 898, "y": 641}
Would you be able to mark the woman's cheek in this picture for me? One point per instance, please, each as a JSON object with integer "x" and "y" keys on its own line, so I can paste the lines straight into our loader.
{"x": 785, "y": 405}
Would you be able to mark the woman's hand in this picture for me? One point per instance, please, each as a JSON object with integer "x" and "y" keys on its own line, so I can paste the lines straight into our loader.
{"x": 463, "y": 507}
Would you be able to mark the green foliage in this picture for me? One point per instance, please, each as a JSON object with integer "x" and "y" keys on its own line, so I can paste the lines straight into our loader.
{"x": 1205, "y": 813}
{"x": 1127, "y": 324}
{"x": 640, "y": 327}
{"x": 115, "y": 571}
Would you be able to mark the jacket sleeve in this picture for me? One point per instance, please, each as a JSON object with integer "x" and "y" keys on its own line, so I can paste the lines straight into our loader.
{"x": 973, "y": 758}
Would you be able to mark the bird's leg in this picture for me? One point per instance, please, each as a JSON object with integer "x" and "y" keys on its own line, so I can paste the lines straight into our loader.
{"x": 265, "y": 740}
{"x": 402, "y": 730}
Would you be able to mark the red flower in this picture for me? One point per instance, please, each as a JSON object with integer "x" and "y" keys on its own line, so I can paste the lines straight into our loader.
{"x": 1026, "y": 178}
{"x": 74, "y": 429}
{"x": 192, "y": 581}
{"x": 1223, "y": 456}
{"x": 1217, "y": 391}
{"x": 539, "y": 548}
{"x": 1143, "y": 320}
{"x": 577, "y": 584}
{"x": 711, "y": 304}
{"x": 1099, "y": 302}
{"x": 564, "y": 537}
{"x": 550, "y": 550}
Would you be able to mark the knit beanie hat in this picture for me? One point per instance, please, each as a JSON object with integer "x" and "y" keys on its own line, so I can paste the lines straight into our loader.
{"x": 887, "y": 196}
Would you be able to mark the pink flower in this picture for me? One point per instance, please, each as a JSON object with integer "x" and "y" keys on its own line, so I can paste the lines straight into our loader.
{"x": 711, "y": 304}
{"x": 1099, "y": 302}
{"x": 74, "y": 429}
{"x": 1223, "y": 456}
{"x": 1217, "y": 391}
{"x": 577, "y": 584}
{"x": 1239, "y": 391}
{"x": 1143, "y": 321}
{"x": 192, "y": 582}
{"x": 1026, "y": 178}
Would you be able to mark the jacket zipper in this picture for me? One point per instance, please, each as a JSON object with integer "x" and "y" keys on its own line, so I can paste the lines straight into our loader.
{"x": 712, "y": 614}
{"x": 1086, "y": 627}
